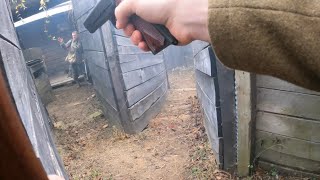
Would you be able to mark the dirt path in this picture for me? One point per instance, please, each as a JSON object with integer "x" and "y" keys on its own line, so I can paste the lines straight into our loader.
{"x": 174, "y": 146}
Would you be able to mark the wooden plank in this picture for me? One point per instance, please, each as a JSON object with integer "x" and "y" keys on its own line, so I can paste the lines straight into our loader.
{"x": 209, "y": 110}
{"x": 91, "y": 42}
{"x": 207, "y": 85}
{"x": 124, "y": 41}
{"x": 289, "y": 103}
{"x": 198, "y": 46}
{"x": 81, "y": 20}
{"x": 288, "y": 171}
{"x": 140, "y": 124}
{"x": 214, "y": 141}
{"x": 97, "y": 58}
{"x": 134, "y": 78}
{"x": 6, "y": 29}
{"x": 124, "y": 58}
{"x": 291, "y": 146}
{"x": 80, "y": 7}
{"x": 203, "y": 62}
{"x": 144, "y": 104}
{"x": 144, "y": 60}
{"x": 109, "y": 112}
{"x": 244, "y": 109}
{"x": 137, "y": 93}
{"x": 274, "y": 83}
{"x": 290, "y": 161}
{"x": 131, "y": 50}
{"x": 102, "y": 83}
{"x": 288, "y": 126}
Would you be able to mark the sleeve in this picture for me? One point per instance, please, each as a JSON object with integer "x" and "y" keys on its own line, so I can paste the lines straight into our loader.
{"x": 66, "y": 45}
{"x": 271, "y": 37}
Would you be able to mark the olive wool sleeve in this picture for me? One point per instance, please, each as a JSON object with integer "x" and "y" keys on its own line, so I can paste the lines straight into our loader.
{"x": 272, "y": 37}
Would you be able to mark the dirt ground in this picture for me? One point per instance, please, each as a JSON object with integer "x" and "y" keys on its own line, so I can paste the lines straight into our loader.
{"x": 173, "y": 146}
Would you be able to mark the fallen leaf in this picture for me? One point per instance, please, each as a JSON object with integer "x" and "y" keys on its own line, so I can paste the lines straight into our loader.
{"x": 105, "y": 126}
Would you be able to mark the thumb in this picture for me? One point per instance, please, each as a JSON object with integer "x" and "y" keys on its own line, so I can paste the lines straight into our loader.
{"x": 123, "y": 12}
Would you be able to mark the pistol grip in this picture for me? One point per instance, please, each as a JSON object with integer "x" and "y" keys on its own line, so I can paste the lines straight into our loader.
{"x": 156, "y": 36}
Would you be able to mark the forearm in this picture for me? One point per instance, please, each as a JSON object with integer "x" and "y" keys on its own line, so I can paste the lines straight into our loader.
{"x": 65, "y": 45}
{"x": 270, "y": 37}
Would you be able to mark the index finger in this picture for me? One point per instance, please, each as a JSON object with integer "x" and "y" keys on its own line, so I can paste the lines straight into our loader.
{"x": 123, "y": 11}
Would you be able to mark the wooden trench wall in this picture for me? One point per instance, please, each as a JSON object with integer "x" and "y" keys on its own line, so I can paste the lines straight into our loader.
{"x": 257, "y": 120}
{"x": 287, "y": 127}
{"x": 32, "y": 112}
{"x": 32, "y": 37}
{"x": 131, "y": 84}
{"x": 216, "y": 91}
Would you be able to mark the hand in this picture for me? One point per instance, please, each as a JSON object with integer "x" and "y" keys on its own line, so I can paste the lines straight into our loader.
{"x": 185, "y": 19}
{"x": 60, "y": 40}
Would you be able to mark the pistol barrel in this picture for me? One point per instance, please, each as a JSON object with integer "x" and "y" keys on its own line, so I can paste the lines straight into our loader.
{"x": 101, "y": 13}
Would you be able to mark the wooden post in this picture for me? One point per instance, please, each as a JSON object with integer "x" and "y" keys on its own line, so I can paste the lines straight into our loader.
{"x": 244, "y": 97}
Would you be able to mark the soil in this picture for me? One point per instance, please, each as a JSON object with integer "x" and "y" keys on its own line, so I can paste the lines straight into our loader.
{"x": 173, "y": 146}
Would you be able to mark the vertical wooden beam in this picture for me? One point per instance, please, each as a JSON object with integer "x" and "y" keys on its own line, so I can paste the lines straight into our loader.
{"x": 245, "y": 118}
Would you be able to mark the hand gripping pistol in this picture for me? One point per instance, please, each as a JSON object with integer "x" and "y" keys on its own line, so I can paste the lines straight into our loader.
{"x": 156, "y": 36}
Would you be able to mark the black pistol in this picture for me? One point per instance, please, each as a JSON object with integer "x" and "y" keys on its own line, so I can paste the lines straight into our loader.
{"x": 156, "y": 36}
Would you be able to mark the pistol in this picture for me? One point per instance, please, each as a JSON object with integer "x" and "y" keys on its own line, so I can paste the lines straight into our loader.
{"x": 156, "y": 36}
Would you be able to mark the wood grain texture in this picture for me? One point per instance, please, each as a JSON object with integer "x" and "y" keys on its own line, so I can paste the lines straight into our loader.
{"x": 274, "y": 83}
{"x": 215, "y": 142}
{"x": 130, "y": 50}
{"x": 102, "y": 83}
{"x": 6, "y": 29}
{"x": 286, "y": 145}
{"x": 244, "y": 108}
{"x": 110, "y": 49}
{"x": 91, "y": 42}
{"x": 80, "y": 7}
{"x": 287, "y": 170}
{"x": 134, "y": 78}
{"x": 206, "y": 94}
{"x": 289, "y": 126}
{"x": 199, "y": 46}
{"x": 289, "y": 103}
{"x": 139, "y": 124}
{"x": 144, "y": 104}
{"x": 290, "y": 161}
{"x": 143, "y": 60}
{"x": 207, "y": 85}
{"x": 126, "y": 58}
{"x": 124, "y": 41}
{"x": 203, "y": 63}
{"x": 96, "y": 58}
{"x": 137, "y": 93}
{"x": 210, "y": 113}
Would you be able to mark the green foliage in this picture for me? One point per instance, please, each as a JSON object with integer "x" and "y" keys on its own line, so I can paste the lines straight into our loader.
{"x": 20, "y": 5}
